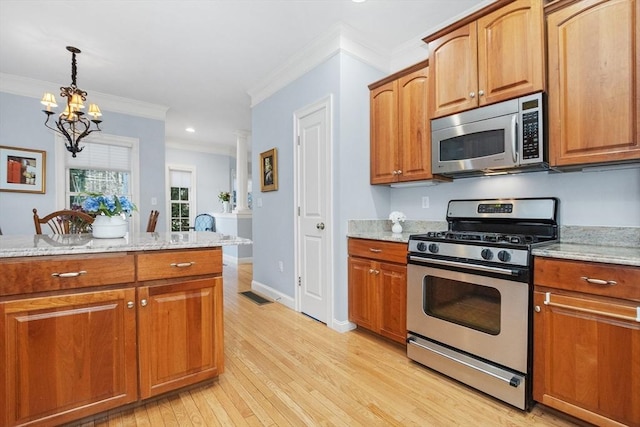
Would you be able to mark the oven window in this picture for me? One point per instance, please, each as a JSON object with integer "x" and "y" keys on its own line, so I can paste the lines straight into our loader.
{"x": 472, "y": 146}
{"x": 466, "y": 304}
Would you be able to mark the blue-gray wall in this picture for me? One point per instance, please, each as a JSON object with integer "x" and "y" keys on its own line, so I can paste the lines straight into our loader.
{"x": 593, "y": 198}
{"x": 21, "y": 125}
{"x": 346, "y": 79}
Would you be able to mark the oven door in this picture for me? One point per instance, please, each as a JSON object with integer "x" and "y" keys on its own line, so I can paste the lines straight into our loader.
{"x": 485, "y": 316}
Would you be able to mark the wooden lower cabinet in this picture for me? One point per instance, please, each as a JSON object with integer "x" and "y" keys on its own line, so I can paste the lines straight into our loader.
{"x": 587, "y": 346}
{"x": 68, "y": 356}
{"x": 378, "y": 289}
{"x": 180, "y": 331}
{"x": 73, "y": 353}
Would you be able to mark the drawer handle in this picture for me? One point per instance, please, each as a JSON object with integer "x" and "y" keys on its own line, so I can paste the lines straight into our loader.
{"x": 599, "y": 281}
{"x": 71, "y": 274}
{"x": 547, "y": 301}
{"x": 182, "y": 264}
{"x": 375, "y": 250}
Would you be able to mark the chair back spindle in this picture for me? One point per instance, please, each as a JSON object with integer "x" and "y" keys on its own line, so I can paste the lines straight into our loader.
{"x": 153, "y": 220}
{"x": 65, "y": 221}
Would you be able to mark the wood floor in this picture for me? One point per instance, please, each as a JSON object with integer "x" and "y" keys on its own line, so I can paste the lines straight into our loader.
{"x": 285, "y": 369}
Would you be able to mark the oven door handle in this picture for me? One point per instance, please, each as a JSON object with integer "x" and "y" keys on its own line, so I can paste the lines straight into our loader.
{"x": 513, "y": 380}
{"x": 484, "y": 268}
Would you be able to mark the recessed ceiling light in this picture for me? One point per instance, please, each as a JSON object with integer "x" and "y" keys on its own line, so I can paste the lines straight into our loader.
{"x": 190, "y": 130}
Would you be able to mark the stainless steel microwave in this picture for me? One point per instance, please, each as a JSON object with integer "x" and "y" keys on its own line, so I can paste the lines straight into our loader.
{"x": 498, "y": 138}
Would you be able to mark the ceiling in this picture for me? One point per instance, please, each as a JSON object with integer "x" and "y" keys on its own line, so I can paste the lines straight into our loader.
{"x": 203, "y": 60}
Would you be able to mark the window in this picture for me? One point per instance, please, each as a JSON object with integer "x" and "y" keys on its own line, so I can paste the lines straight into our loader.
{"x": 107, "y": 164}
{"x": 181, "y": 197}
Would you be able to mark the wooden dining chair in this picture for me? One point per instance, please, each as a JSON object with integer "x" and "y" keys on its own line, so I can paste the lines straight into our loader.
{"x": 64, "y": 222}
{"x": 153, "y": 219}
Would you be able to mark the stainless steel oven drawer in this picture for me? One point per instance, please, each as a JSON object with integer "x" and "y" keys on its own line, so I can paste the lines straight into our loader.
{"x": 503, "y": 384}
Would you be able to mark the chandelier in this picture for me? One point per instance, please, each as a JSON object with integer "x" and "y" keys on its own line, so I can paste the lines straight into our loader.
{"x": 72, "y": 123}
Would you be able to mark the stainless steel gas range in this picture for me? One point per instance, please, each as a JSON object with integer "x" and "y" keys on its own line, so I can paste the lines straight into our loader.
{"x": 469, "y": 290}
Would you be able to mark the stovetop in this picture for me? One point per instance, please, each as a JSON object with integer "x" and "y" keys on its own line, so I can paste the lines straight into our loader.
{"x": 469, "y": 236}
{"x": 500, "y": 231}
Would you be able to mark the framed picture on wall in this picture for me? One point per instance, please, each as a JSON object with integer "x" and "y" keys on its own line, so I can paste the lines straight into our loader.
{"x": 22, "y": 170}
{"x": 269, "y": 170}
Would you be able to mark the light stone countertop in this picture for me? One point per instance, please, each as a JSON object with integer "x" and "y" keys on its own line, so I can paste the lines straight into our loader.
{"x": 594, "y": 253}
{"x": 614, "y": 245}
{"x": 68, "y": 244}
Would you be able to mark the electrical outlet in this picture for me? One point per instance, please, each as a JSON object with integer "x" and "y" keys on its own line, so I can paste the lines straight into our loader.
{"x": 281, "y": 266}
{"x": 425, "y": 202}
{"x": 154, "y": 201}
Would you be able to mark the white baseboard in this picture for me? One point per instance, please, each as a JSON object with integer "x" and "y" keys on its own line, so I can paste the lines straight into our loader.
{"x": 277, "y": 296}
{"x": 337, "y": 325}
{"x": 342, "y": 325}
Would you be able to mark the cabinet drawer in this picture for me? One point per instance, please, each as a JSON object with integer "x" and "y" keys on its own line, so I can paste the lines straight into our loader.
{"x": 28, "y": 275}
{"x": 609, "y": 280}
{"x": 171, "y": 264}
{"x": 379, "y": 250}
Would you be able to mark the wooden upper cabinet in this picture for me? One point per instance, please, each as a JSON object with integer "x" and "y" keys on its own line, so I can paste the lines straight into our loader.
{"x": 453, "y": 72}
{"x": 497, "y": 57}
{"x": 384, "y": 133}
{"x": 400, "y": 127}
{"x": 594, "y": 99}
{"x": 511, "y": 52}
{"x": 414, "y": 127}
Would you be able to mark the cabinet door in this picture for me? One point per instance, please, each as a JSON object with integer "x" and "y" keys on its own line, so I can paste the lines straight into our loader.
{"x": 453, "y": 72}
{"x": 594, "y": 64}
{"x": 67, "y": 357}
{"x": 180, "y": 334}
{"x": 587, "y": 357}
{"x": 511, "y": 52}
{"x": 384, "y": 133}
{"x": 393, "y": 301}
{"x": 362, "y": 297}
{"x": 414, "y": 126}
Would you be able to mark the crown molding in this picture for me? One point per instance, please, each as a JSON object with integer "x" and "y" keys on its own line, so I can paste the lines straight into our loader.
{"x": 343, "y": 38}
{"x": 340, "y": 38}
{"x": 23, "y": 86}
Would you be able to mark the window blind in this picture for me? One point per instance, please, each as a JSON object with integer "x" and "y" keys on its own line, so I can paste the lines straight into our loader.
{"x": 102, "y": 157}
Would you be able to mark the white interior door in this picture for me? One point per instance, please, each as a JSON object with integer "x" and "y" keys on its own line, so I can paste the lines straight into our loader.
{"x": 313, "y": 165}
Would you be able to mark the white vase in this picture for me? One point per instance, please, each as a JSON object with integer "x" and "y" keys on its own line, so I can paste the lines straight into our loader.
{"x": 109, "y": 227}
{"x": 225, "y": 207}
{"x": 396, "y": 228}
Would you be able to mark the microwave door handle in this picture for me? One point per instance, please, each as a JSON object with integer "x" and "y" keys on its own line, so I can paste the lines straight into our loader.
{"x": 514, "y": 140}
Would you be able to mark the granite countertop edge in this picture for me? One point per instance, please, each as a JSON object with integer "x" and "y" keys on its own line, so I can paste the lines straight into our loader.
{"x": 623, "y": 250}
{"x": 61, "y": 244}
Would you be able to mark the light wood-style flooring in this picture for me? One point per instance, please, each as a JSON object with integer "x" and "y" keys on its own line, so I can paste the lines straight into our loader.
{"x": 283, "y": 368}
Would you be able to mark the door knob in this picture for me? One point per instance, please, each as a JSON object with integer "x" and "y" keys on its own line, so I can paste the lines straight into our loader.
{"x": 320, "y": 226}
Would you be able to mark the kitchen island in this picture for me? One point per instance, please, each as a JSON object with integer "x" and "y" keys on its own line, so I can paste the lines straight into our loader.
{"x": 89, "y": 325}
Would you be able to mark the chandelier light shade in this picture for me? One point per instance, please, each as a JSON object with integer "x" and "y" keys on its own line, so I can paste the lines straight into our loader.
{"x": 72, "y": 123}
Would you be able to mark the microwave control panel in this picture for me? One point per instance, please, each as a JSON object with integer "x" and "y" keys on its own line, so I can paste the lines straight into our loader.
{"x": 531, "y": 119}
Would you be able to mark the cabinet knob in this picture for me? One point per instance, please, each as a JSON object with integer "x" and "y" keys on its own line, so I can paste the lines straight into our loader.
{"x": 130, "y": 304}
{"x": 537, "y": 308}
{"x": 399, "y": 172}
{"x": 480, "y": 92}
{"x": 371, "y": 270}
{"x": 144, "y": 302}
{"x": 472, "y": 94}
